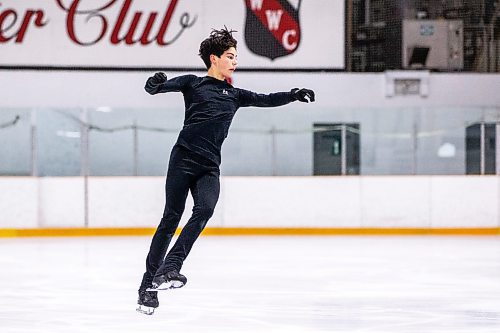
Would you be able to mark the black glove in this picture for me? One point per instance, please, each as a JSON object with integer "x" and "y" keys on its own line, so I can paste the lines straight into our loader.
{"x": 154, "y": 81}
{"x": 301, "y": 94}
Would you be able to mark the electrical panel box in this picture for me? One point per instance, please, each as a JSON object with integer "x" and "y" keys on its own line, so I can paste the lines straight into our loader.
{"x": 433, "y": 44}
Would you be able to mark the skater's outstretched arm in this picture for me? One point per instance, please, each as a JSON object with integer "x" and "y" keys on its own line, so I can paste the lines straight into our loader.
{"x": 250, "y": 98}
{"x": 159, "y": 83}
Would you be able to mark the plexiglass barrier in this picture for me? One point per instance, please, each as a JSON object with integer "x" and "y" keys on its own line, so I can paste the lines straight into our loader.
{"x": 137, "y": 142}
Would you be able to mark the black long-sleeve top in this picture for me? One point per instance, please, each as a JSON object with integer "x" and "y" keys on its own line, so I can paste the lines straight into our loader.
{"x": 210, "y": 107}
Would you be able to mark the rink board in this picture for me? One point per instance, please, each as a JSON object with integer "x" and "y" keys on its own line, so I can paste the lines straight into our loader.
{"x": 257, "y": 205}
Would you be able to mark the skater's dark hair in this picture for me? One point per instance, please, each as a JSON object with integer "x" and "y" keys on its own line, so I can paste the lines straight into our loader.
{"x": 217, "y": 43}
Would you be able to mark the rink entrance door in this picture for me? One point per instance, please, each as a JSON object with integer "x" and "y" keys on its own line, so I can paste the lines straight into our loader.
{"x": 481, "y": 149}
{"x": 336, "y": 149}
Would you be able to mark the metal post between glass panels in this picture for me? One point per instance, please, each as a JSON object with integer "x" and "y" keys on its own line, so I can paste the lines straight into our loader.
{"x": 481, "y": 149}
{"x": 273, "y": 151}
{"x": 34, "y": 157}
{"x": 343, "y": 149}
{"x": 84, "y": 163}
{"x": 497, "y": 146}
{"x": 414, "y": 147}
{"x": 136, "y": 148}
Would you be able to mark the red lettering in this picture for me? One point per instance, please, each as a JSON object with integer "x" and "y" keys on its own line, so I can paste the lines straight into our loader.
{"x": 3, "y": 19}
{"x": 70, "y": 23}
{"x": 147, "y": 30}
{"x": 73, "y": 12}
{"x": 121, "y": 17}
{"x": 145, "y": 38}
{"x": 164, "y": 25}
{"x": 24, "y": 27}
{"x": 129, "y": 36}
{"x": 11, "y": 15}
{"x": 120, "y": 33}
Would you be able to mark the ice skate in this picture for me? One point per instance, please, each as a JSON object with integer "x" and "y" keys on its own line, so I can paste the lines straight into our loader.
{"x": 148, "y": 302}
{"x": 170, "y": 280}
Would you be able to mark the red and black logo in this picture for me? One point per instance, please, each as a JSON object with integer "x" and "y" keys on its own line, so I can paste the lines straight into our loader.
{"x": 272, "y": 27}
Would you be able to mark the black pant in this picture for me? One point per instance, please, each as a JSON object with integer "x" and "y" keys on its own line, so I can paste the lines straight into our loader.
{"x": 186, "y": 172}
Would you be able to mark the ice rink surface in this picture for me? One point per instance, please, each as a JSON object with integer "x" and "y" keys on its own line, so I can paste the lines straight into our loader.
{"x": 256, "y": 284}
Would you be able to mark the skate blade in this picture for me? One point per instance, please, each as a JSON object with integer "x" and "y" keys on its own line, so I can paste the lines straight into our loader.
{"x": 147, "y": 310}
{"x": 167, "y": 285}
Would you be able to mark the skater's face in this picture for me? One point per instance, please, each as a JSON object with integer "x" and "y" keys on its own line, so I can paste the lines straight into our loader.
{"x": 226, "y": 64}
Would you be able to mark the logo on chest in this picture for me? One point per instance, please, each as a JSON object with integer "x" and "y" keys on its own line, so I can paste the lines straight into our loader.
{"x": 224, "y": 92}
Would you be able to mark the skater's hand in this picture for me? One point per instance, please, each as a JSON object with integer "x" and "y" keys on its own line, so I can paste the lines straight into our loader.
{"x": 154, "y": 81}
{"x": 160, "y": 77}
{"x": 303, "y": 95}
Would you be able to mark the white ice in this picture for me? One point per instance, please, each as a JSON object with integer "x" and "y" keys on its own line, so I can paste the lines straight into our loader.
{"x": 256, "y": 284}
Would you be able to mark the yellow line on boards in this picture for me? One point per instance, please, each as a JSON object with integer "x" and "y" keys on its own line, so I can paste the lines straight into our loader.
{"x": 241, "y": 231}
{"x": 75, "y": 232}
{"x": 349, "y": 231}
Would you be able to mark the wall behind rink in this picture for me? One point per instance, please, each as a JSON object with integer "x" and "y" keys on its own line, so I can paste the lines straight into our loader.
{"x": 68, "y": 89}
{"x": 398, "y": 135}
{"x": 265, "y": 202}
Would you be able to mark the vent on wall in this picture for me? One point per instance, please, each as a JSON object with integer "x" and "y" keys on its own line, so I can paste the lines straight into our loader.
{"x": 407, "y": 83}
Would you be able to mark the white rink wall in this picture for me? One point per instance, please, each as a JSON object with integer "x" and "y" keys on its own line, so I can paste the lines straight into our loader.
{"x": 125, "y": 89}
{"x": 325, "y": 202}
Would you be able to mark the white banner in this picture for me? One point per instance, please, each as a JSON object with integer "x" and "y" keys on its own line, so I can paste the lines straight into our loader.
{"x": 271, "y": 34}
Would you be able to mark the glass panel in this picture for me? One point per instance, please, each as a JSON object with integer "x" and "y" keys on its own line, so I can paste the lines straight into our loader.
{"x": 263, "y": 142}
{"x": 387, "y": 142}
{"x": 111, "y": 140}
{"x": 156, "y": 136}
{"x": 15, "y": 142}
{"x": 58, "y": 142}
{"x": 127, "y": 142}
